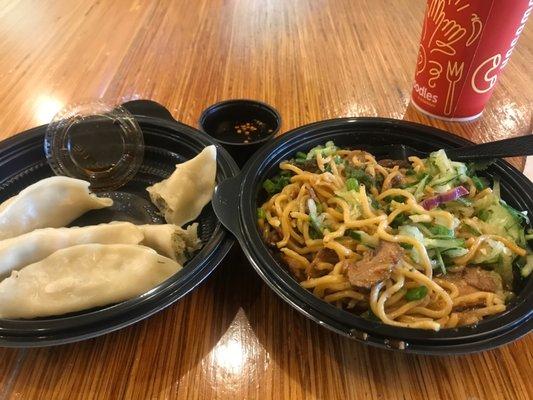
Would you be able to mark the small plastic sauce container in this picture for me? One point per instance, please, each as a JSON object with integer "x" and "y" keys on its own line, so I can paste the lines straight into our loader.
{"x": 241, "y": 126}
{"x": 96, "y": 142}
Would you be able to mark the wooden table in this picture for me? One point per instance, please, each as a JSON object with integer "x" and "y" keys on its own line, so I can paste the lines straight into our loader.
{"x": 232, "y": 338}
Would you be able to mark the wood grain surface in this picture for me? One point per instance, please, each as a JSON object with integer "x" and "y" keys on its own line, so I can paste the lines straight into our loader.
{"x": 232, "y": 338}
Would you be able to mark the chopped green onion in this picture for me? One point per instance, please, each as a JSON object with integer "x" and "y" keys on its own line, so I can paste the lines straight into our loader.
{"x": 416, "y": 293}
{"x": 352, "y": 184}
{"x": 261, "y": 213}
{"x": 360, "y": 175}
{"x": 269, "y": 186}
{"x": 277, "y": 183}
{"x": 406, "y": 246}
{"x": 301, "y": 155}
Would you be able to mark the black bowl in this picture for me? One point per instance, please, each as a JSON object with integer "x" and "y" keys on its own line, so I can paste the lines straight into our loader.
{"x": 220, "y": 120}
{"x": 237, "y": 199}
{"x": 22, "y": 162}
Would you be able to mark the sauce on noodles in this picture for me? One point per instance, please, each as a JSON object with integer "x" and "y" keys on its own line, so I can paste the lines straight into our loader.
{"x": 420, "y": 244}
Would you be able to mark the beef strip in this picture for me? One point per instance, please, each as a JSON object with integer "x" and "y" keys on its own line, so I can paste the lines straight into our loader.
{"x": 388, "y": 163}
{"x": 308, "y": 165}
{"x": 274, "y": 237}
{"x": 376, "y": 266}
{"x": 397, "y": 180}
{"x": 325, "y": 255}
{"x": 474, "y": 279}
{"x": 294, "y": 267}
{"x": 486, "y": 281}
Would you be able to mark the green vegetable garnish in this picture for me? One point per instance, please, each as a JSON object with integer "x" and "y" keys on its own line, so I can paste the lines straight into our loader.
{"x": 475, "y": 166}
{"x": 399, "y": 220}
{"x": 517, "y": 214}
{"x": 360, "y": 175}
{"x": 269, "y": 186}
{"x": 441, "y": 231}
{"x": 464, "y": 201}
{"x": 478, "y": 183}
{"x": 416, "y": 293}
{"x": 277, "y": 183}
{"x": 301, "y": 155}
{"x": 471, "y": 229}
{"x": 440, "y": 261}
{"x": 354, "y": 235}
{"x": 484, "y": 214}
{"x": 421, "y": 185}
{"x": 444, "y": 244}
{"x": 352, "y": 184}
{"x": 261, "y": 213}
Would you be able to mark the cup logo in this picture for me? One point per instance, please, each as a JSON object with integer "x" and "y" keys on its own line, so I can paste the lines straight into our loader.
{"x": 486, "y": 74}
{"x": 463, "y": 48}
{"x": 475, "y": 31}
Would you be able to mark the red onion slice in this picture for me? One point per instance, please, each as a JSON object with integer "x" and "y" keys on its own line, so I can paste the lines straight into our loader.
{"x": 450, "y": 195}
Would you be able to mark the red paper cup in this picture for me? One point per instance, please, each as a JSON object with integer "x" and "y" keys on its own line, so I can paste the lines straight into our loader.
{"x": 465, "y": 45}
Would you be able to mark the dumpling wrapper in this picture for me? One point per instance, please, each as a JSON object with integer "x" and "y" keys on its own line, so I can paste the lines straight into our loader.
{"x": 50, "y": 203}
{"x": 171, "y": 240}
{"x": 31, "y": 247}
{"x": 82, "y": 277}
{"x": 182, "y": 196}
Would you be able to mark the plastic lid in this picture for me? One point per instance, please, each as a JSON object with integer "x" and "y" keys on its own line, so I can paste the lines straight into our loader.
{"x": 96, "y": 142}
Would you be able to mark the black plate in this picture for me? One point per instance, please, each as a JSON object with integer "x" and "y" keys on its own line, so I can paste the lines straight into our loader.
{"x": 22, "y": 162}
{"x": 517, "y": 190}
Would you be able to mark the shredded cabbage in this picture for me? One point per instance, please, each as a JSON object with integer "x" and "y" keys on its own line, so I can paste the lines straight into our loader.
{"x": 446, "y": 174}
{"x": 499, "y": 219}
